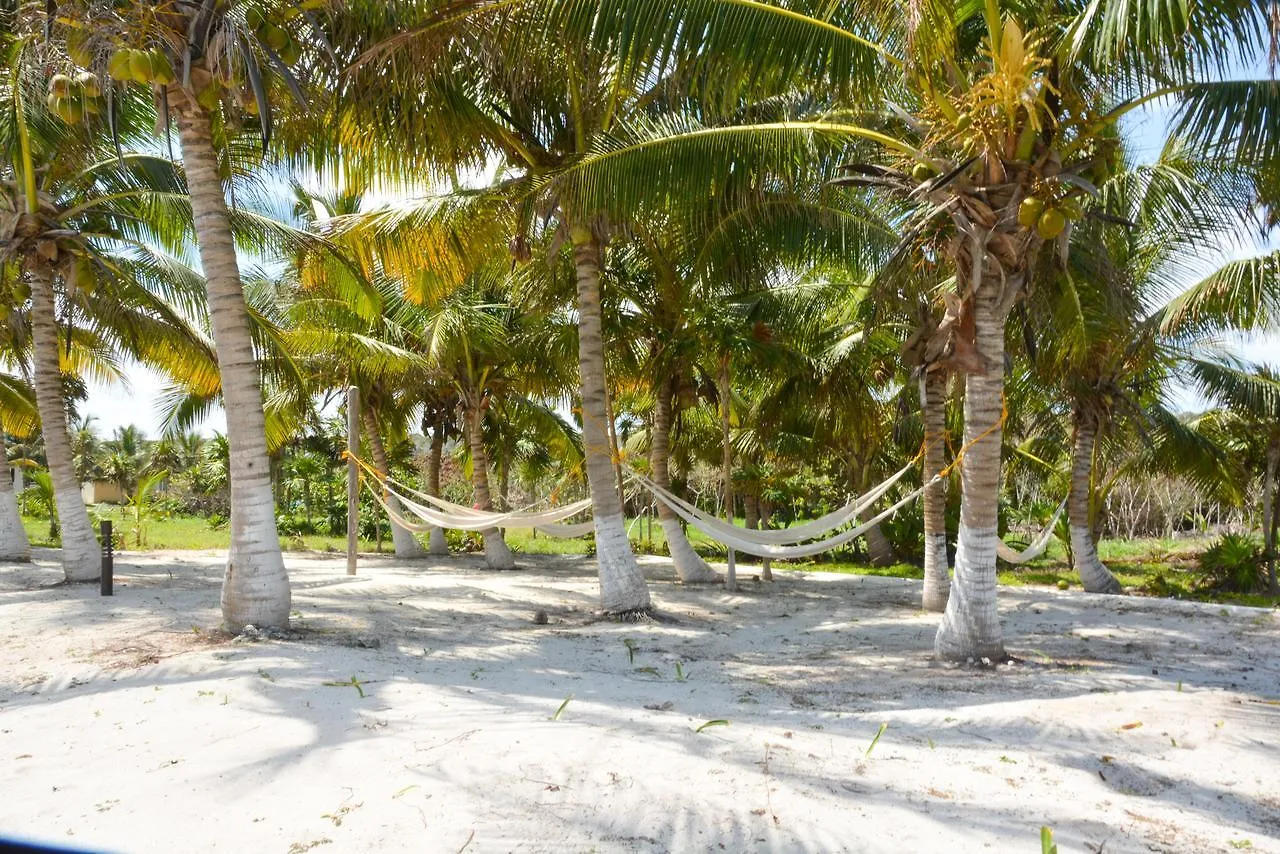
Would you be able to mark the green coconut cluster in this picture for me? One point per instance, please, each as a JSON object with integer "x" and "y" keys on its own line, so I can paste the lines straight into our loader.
{"x": 73, "y": 98}
{"x": 129, "y": 65}
{"x": 1048, "y": 218}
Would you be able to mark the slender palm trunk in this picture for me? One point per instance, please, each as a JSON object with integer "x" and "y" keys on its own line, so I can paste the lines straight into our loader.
{"x": 622, "y": 585}
{"x": 689, "y": 565}
{"x": 80, "y": 560}
{"x": 255, "y": 589}
{"x": 970, "y": 628}
{"x": 1084, "y": 553}
{"x": 766, "y": 515}
{"x": 937, "y": 572}
{"x": 504, "y": 479}
{"x": 1269, "y": 513}
{"x": 879, "y": 550}
{"x": 405, "y": 544}
{"x": 496, "y": 553}
{"x": 436, "y": 542}
{"x": 14, "y": 544}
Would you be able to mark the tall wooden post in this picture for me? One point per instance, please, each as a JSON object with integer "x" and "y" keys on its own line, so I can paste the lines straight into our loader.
{"x": 726, "y": 389}
{"x": 353, "y": 478}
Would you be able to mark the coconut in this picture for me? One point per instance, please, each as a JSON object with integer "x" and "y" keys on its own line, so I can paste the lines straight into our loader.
{"x": 291, "y": 52}
{"x": 140, "y": 66}
{"x": 161, "y": 70}
{"x": 60, "y": 85}
{"x": 1051, "y": 223}
{"x": 88, "y": 83}
{"x": 1029, "y": 212}
{"x": 922, "y": 172}
{"x": 120, "y": 65}
{"x": 70, "y": 110}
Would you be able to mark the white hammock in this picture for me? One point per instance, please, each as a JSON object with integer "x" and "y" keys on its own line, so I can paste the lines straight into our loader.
{"x": 567, "y": 532}
{"x": 738, "y": 543}
{"x": 782, "y": 536}
{"x": 1037, "y": 548}
{"x": 476, "y": 520}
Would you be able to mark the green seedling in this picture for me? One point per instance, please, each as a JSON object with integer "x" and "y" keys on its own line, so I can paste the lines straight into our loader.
{"x": 631, "y": 650}
{"x": 1047, "y": 845}
{"x": 406, "y": 790}
{"x": 883, "y": 726}
{"x": 710, "y": 724}
{"x": 652, "y": 671}
{"x": 680, "y": 674}
{"x": 560, "y": 711}
{"x": 354, "y": 683}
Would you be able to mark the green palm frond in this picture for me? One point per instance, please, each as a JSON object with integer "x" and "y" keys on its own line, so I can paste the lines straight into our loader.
{"x": 1242, "y": 295}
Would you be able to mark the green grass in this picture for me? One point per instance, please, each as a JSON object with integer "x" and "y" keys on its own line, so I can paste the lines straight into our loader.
{"x": 1152, "y": 567}
{"x": 192, "y": 533}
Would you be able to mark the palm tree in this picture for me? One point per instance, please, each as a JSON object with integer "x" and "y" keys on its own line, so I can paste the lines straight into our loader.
{"x": 207, "y": 60}
{"x": 17, "y": 415}
{"x": 74, "y": 226}
{"x": 997, "y": 112}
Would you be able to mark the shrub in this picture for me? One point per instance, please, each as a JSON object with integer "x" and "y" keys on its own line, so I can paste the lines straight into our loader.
{"x": 1233, "y": 563}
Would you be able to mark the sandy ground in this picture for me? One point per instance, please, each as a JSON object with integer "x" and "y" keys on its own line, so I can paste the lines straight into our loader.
{"x": 127, "y": 724}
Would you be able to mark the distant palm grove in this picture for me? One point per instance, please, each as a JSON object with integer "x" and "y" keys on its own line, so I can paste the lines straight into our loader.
{"x": 764, "y": 254}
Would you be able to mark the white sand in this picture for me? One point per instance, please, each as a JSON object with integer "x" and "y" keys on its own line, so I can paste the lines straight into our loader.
{"x": 1132, "y": 725}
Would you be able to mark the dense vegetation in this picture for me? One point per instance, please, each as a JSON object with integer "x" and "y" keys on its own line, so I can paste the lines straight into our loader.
{"x": 767, "y": 253}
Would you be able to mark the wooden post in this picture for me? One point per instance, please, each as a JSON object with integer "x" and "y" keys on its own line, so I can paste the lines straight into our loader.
{"x": 726, "y": 389}
{"x": 353, "y": 478}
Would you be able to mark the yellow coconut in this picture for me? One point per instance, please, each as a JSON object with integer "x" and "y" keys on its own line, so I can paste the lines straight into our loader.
{"x": 60, "y": 85}
{"x": 161, "y": 69}
{"x": 88, "y": 83}
{"x": 1029, "y": 212}
{"x": 1051, "y": 223}
{"x": 120, "y": 65}
{"x": 140, "y": 66}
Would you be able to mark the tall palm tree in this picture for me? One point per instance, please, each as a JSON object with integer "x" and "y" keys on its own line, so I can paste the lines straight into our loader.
{"x": 995, "y": 109}
{"x": 209, "y": 60}
{"x": 73, "y": 229}
{"x": 17, "y": 415}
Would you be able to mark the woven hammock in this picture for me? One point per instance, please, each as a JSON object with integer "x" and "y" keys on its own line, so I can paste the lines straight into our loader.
{"x": 776, "y": 552}
{"x": 782, "y": 536}
{"x": 475, "y": 520}
{"x": 1037, "y": 548}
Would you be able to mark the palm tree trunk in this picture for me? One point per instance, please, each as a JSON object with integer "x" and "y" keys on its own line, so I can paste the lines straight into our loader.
{"x": 766, "y": 514}
{"x": 496, "y": 553}
{"x": 80, "y": 560}
{"x": 622, "y": 585}
{"x": 255, "y": 589}
{"x": 1269, "y": 514}
{"x": 970, "y": 628}
{"x": 405, "y": 544}
{"x": 14, "y": 545}
{"x": 436, "y": 542}
{"x": 726, "y": 466}
{"x": 689, "y": 565}
{"x": 937, "y": 572}
{"x": 504, "y": 479}
{"x": 1084, "y": 553}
